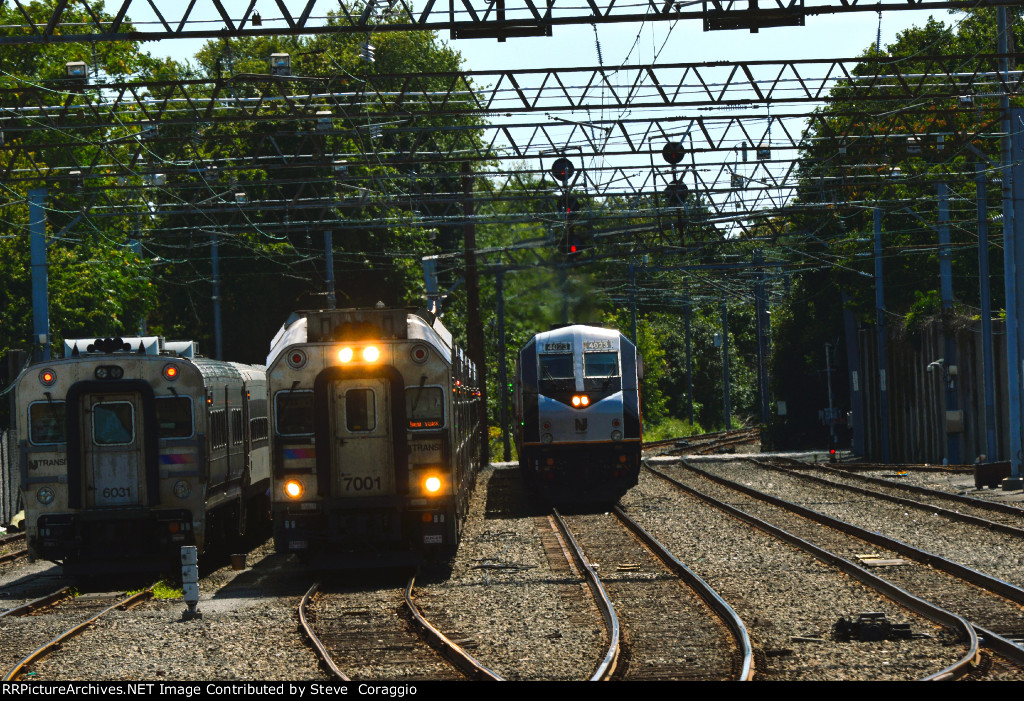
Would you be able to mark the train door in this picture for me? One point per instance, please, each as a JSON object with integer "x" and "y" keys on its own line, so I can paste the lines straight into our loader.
{"x": 362, "y": 450}
{"x": 113, "y": 447}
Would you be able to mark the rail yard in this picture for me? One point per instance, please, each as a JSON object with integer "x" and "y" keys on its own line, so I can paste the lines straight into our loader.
{"x": 815, "y": 589}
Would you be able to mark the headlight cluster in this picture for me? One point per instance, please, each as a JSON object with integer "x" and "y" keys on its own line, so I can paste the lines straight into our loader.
{"x": 369, "y": 354}
{"x": 580, "y": 400}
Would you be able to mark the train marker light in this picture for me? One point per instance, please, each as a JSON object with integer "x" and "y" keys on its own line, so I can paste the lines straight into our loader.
{"x": 171, "y": 372}
{"x": 371, "y": 354}
{"x": 345, "y": 355}
{"x": 47, "y": 377}
{"x": 293, "y": 489}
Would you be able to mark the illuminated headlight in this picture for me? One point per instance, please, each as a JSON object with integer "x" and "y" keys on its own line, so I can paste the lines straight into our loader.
{"x": 293, "y": 489}
{"x": 546, "y": 439}
{"x": 616, "y": 435}
{"x": 579, "y": 400}
{"x": 182, "y": 490}
{"x": 345, "y": 355}
{"x": 575, "y": 400}
{"x": 371, "y": 353}
{"x": 432, "y": 485}
{"x": 44, "y": 496}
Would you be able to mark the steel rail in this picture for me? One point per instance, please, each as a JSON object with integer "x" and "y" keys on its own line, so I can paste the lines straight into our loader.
{"x": 11, "y": 538}
{"x": 935, "y": 613}
{"x": 903, "y": 501}
{"x": 71, "y": 632}
{"x": 606, "y": 667}
{"x": 455, "y": 654}
{"x": 39, "y": 603}
{"x": 318, "y": 646}
{"x": 917, "y": 489}
{"x": 703, "y": 589}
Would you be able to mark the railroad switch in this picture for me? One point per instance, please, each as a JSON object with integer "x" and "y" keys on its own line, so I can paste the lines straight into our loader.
{"x": 870, "y": 628}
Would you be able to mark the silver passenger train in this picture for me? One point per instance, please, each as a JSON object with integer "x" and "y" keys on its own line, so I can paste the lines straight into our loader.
{"x": 130, "y": 448}
{"x": 578, "y": 427}
{"x": 376, "y": 419}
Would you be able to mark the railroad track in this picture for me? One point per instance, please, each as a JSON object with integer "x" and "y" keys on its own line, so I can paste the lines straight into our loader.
{"x": 994, "y": 516}
{"x": 993, "y": 607}
{"x": 691, "y": 634}
{"x": 12, "y": 547}
{"x": 31, "y": 643}
{"x": 361, "y": 633}
{"x": 704, "y": 444}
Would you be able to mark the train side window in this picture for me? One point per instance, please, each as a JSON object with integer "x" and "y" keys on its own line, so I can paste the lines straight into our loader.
{"x": 359, "y": 410}
{"x": 46, "y": 423}
{"x": 113, "y": 423}
{"x": 174, "y": 417}
{"x": 424, "y": 407}
{"x": 556, "y": 366}
{"x": 601, "y": 364}
{"x": 293, "y": 412}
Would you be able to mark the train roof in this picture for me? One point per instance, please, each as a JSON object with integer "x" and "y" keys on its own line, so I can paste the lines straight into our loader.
{"x": 362, "y": 324}
{"x": 577, "y": 334}
{"x": 141, "y": 345}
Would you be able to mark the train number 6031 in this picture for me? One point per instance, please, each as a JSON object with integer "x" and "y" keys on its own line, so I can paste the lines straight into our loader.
{"x": 114, "y": 492}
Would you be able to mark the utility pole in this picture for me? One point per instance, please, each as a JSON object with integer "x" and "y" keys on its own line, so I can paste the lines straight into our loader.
{"x": 332, "y": 301}
{"x": 726, "y": 400}
{"x": 880, "y": 338}
{"x": 502, "y": 372}
{"x": 215, "y": 264}
{"x": 40, "y": 273}
{"x": 632, "y": 302}
{"x": 987, "y": 349}
{"x": 474, "y": 328}
{"x": 952, "y": 426}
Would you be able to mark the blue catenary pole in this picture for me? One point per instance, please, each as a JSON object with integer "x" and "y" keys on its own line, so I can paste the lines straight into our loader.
{"x": 40, "y": 273}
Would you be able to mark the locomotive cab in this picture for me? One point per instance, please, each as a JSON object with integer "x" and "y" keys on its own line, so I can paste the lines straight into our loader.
{"x": 577, "y": 400}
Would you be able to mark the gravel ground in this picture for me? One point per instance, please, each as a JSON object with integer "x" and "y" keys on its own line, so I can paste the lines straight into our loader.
{"x": 510, "y": 597}
{"x": 789, "y": 612}
{"x": 527, "y": 616}
{"x": 998, "y": 554}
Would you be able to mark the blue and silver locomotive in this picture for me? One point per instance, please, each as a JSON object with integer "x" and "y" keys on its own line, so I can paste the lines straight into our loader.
{"x": 578, "y": 411}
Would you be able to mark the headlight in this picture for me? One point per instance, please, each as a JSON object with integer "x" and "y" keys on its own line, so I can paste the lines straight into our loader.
{"x": 432, "y": 485}
{"x": 44, "y": 496}
{"x": 371, "y": 353}
{"x": 345, "y": 355}
{"x": 182, "y": 490}
{"x": 616, "y": 435}
{"x": 546, "y": 439}
{"x": 293, "y": 489}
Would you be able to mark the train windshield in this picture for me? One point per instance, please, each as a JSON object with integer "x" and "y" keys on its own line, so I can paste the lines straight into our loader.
{"x": 293, "y": 412}
{"x": 556, "y": 366}
{"x": 601, "y": 364}
{"x": 424, "y": 407}
{"x": 174, "y": 417}
{"x": 46, "y": 422}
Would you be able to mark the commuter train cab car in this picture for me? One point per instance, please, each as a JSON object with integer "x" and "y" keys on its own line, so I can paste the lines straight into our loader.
{"x": 129, "y": 448}
{"x": 376, "y": 416}
{"x": 577, "y": 396}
